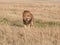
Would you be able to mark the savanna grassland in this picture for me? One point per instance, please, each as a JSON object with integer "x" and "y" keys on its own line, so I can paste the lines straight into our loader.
{"x": 46, "y": 29}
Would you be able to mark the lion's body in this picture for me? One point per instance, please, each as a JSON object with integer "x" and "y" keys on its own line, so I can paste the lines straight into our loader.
{"x": 27, "y": 18}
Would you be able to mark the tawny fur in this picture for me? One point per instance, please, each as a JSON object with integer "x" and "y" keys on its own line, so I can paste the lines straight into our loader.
{"x": 28, "y": 19}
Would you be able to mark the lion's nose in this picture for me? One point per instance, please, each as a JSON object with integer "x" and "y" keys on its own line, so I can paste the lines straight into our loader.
{"x": 28, "y": 15}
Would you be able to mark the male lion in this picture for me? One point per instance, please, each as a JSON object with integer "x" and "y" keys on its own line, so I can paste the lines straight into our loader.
{"x": 27, "y": 18}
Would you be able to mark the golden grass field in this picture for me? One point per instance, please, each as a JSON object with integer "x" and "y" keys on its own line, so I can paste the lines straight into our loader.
{"x": 46, "y": 29}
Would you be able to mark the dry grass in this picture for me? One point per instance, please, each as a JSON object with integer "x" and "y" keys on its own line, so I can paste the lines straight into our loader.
{"x": 12, "y": 35}
{"x": 46, "y": 30}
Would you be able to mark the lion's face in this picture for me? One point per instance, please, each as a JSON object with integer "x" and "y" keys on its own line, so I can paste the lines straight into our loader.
{"x": 27, "y": 17}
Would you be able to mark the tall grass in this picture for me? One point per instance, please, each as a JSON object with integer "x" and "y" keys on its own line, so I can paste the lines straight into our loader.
{"x": 37, "y": 23}
{"x": 40, "y": 23}
{"x": 12, "y": 23}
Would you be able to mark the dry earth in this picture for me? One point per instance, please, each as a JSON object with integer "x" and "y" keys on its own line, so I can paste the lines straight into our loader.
{"x": 18, "y": 35}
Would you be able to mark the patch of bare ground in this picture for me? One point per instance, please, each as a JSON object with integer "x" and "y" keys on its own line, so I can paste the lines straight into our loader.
{"x": 12, "y": 35}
